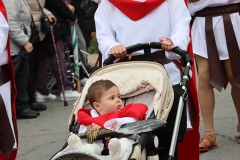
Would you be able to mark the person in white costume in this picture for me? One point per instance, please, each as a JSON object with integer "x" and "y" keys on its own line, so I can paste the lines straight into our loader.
{"x": 216, "y": 41}
{"x": 109, "y": 113}
{"x": 120, "y": 24}
{"x": 113, "y": 29}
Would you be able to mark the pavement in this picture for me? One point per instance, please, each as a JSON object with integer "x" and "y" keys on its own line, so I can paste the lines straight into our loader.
{"x": 41, "y": 138}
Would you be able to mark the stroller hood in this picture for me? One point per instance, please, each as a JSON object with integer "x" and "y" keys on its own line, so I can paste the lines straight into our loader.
{"x": 134, "y": 78}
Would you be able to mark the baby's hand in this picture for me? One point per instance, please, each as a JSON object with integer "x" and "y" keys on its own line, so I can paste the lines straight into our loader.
{"x": 113, "y": 126}
{"x": 95, "y": 126}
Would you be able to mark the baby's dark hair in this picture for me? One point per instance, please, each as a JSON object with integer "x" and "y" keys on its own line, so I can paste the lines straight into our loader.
{"x": 96, "y": 90}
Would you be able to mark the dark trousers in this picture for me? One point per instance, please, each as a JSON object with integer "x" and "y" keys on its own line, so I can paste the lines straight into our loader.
{"x": 45, "y": 62}
{"x": 33, "y": 63}
{"x": 21, "y": 72}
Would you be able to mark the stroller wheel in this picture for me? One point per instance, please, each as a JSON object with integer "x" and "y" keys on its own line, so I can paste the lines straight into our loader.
{"x": 77, "y": 156}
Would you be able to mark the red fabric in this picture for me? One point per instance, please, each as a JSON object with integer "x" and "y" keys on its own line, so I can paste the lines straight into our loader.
{"x": 189, "y": 148}
{"x": 131, "y": 110}
{"x": 136, "y": 10}
{"x": 14, "y": 92}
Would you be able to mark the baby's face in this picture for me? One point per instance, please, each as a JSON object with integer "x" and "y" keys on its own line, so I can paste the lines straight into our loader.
{"x": 110, "y": 101}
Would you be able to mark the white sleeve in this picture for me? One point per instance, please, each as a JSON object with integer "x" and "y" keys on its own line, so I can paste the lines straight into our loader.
{"x": 13, "y": 8}
{"x": 104, "y": 32}
{"x": 179, "y": 23}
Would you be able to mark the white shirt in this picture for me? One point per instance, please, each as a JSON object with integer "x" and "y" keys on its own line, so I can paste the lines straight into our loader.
{"x": 170, "y": 19}
{"x": 198, "y": 28}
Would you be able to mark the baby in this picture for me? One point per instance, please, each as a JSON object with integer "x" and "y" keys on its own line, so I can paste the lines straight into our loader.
{"x": 108, "y": 112}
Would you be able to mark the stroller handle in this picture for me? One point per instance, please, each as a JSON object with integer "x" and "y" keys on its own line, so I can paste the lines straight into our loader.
{"x": 154, "y": 45}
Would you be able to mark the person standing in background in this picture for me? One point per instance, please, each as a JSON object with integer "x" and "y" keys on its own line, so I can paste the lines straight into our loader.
{"x": 33, "y": 59}
{"x": 8, "y": 125}
{"x": 216, "y": 42}
{"x": 19, "y": 20}
{"x": 64, "y": 17}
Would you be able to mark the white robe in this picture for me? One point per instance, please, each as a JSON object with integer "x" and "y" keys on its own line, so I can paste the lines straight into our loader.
{"x": 5, "y": 89}
{"x": 170, "y": 19}
{"x": 198, "y": 28}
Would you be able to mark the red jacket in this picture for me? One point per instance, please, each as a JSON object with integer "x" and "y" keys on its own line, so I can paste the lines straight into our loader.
{"x": 131, "y": 110}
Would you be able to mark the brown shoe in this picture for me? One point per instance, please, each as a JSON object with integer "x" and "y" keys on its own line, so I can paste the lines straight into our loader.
{"x": 208, "y": 142}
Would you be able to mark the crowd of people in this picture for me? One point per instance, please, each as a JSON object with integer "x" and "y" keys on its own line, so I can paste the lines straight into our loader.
{"x": 32, "y": 58}
{"x": 213, "y": 26}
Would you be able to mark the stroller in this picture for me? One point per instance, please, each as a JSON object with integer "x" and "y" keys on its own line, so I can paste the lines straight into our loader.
{"x": 149, "y": 85}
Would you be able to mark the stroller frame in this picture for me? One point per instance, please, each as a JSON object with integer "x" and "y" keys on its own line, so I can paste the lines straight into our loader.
{"x": 187, "y": 75}
{"x": 147, "y": 139}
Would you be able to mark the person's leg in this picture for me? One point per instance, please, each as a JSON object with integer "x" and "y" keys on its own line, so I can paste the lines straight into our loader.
{"x": 21, "y": 72}
{"x": 21, "y": 77}
{"x": 120, "y": 148}
{"x": 33, "y": 63}
{"x": 68, "y": 88}
{"x": 31, "y": 84}
{"x": 75, "y": 143}
{"x": 235, "y": 91}
{"x": 206, "y": 101}
{"x": 42, "y": 91}
{"x": 62, "y": 66}
{"x": 42, "y": 81}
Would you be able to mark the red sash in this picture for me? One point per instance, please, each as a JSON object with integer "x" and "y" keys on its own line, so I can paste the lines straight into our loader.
{"x": 131, "y": 110}
{"x": 10, "y": 65}
{"x": 136, "y": 10}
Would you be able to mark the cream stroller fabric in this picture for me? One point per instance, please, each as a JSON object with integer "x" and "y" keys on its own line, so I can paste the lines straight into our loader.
{"x": 134, "y": 78}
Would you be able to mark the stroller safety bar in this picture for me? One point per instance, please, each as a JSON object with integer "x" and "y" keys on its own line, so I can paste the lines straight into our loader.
{"x": 154, "y": 45}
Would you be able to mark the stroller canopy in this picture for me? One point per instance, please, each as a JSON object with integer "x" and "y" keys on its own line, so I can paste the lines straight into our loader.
{"x": 134, "y": 78}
